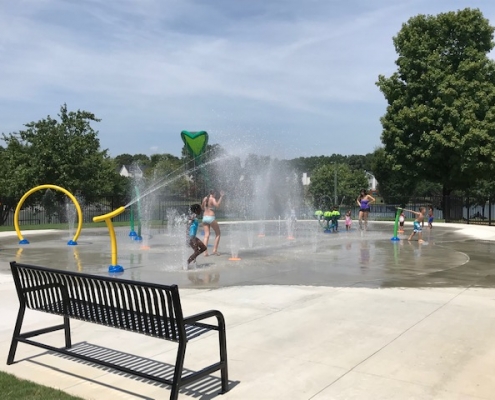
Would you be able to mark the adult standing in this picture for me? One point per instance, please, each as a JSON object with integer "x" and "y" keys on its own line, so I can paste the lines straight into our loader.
{"x": 209, "y": 205}
{"x": 363, "y": 201}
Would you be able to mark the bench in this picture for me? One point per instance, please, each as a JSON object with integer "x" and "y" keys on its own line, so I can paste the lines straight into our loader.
{"x": 145, "y": 308}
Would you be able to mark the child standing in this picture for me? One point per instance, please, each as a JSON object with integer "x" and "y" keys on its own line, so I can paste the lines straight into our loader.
{"x": 420, "y": 217}
{"x": 430, "y": 217}
{"x": 348, "y": 220}
{"x": 192, "y": 229}
{"x": 402, "y": 218}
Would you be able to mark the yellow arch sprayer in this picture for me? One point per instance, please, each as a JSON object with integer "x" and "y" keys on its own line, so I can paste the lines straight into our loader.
{"x": 71, "y": 242}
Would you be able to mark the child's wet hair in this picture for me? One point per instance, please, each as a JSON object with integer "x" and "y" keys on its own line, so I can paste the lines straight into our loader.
{"x": 196, "y": 209}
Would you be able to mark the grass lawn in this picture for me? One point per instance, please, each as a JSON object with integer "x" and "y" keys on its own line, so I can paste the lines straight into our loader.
{"x": 13, "y": 388}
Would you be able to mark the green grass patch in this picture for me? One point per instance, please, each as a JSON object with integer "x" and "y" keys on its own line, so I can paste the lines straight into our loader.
{"x": 13, "y": 388}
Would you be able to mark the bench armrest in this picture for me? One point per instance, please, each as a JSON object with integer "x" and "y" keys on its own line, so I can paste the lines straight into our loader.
{"x": 193, "y": 319}
{"x": 39, "y": 288}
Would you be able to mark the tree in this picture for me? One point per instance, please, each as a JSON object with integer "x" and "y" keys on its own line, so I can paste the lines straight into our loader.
{"x": 396, "y": 186}
{"x": 349, "y": 183}
{"x": 64, "y": 152}
{"x": 168, "y": 174}
{"x": 123, "y": 159}
{"x": 440, "y": 119}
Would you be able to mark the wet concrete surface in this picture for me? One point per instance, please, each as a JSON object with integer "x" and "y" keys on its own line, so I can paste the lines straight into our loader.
{"x": 268, "y": 256}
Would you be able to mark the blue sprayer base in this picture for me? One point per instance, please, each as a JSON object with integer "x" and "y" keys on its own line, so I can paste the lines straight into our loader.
{"x": 115, "y": 268}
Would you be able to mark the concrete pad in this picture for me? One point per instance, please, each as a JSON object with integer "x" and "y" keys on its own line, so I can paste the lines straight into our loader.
{"x": 359, "y": 386}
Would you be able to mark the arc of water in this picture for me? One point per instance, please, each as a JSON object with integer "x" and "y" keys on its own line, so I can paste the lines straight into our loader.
{"x": 164, "y": 182}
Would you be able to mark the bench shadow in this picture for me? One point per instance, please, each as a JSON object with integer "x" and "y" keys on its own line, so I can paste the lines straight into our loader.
{"x": 205, "y": 388}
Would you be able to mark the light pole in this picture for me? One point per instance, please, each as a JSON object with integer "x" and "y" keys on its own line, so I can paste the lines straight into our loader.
{"x": 335, "y": 185}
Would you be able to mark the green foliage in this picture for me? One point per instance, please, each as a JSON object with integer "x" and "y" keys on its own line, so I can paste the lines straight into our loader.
{"x": 123, "y": 159}
{"x": 349, "y": 183}
{"x": 310, "y": 164}
{"x": 396, "y": 186}
{"x": 64, "y": 152}
{"x": 440, "y": 120}
{"x": 168, "y": 169}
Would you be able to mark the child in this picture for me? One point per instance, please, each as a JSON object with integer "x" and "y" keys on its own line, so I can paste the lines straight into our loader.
{"x": 192, "y": 229}
{"x": 402, "y": 218}
{"x": 348, "y": 220}
{"x": 430, "y": 217}
{"x": 420, "y": 216}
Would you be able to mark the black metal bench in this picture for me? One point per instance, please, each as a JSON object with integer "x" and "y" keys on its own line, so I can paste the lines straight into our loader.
{"x": 145, "y": 308}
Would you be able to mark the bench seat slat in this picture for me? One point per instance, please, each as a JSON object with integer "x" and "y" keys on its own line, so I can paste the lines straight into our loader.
{"x": 120, "y": 318}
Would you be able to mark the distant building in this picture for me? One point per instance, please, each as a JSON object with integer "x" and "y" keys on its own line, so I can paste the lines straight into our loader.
{"x": 131, "y": 171}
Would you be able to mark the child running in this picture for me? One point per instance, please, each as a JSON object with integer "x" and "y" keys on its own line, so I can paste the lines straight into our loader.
{"x": 192, "y": 229}
{"x": 430, "y": 217}
{"x": 420, "y": 216}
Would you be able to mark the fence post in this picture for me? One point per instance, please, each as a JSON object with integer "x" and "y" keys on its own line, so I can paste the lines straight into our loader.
{"x": 467, "y": 209}
{"x": 489, "y": 211}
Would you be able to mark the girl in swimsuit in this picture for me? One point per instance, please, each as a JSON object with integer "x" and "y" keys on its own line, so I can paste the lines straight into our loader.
{"x": 209, "y": 204}
{"x": 363, "y": 201}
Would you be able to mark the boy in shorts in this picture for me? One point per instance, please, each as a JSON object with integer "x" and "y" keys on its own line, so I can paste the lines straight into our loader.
{"x": 420, "y": 217}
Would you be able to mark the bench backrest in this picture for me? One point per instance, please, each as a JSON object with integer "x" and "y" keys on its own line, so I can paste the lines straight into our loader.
{"x": 146, "y": 308}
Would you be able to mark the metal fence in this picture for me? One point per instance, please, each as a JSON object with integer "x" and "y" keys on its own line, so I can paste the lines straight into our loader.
{"x": 453, "y": 209}
{"x": 450, "y": 209}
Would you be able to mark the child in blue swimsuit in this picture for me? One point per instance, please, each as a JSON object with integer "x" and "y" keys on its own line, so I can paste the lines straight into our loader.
{"x": 192, "y": 229}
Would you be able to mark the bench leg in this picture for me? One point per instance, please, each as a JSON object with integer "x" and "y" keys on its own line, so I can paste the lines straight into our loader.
{"x": 179, "y": 363}
{"x": 68, "y": 342}
{"x": 223, "y": 358}
{"x": 15, "y": 335}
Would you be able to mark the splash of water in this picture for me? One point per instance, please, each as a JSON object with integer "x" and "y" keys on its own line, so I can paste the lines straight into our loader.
{"x": 170, "y": 178}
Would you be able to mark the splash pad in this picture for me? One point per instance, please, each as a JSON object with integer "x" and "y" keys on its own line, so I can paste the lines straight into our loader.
{"x": 362, "y": 259}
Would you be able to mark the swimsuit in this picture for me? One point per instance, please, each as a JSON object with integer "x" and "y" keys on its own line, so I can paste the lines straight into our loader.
{"x": 193, "y": 226}
{"x": 364, "y": 205}
{"x": 208, "y": 219}
{"x": 417, "y": 227}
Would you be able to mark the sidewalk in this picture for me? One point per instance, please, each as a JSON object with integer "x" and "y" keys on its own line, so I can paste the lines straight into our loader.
{"x": 295, "y": 342}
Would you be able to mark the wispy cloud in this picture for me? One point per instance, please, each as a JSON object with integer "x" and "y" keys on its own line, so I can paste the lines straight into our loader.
{"x": 150, "y": 68}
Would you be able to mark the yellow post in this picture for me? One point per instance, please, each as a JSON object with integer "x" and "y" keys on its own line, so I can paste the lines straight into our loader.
{"x": 114, "y": 267}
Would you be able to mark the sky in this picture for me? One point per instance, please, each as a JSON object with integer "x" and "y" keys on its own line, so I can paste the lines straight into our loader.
{"x": 285, "y": 78}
